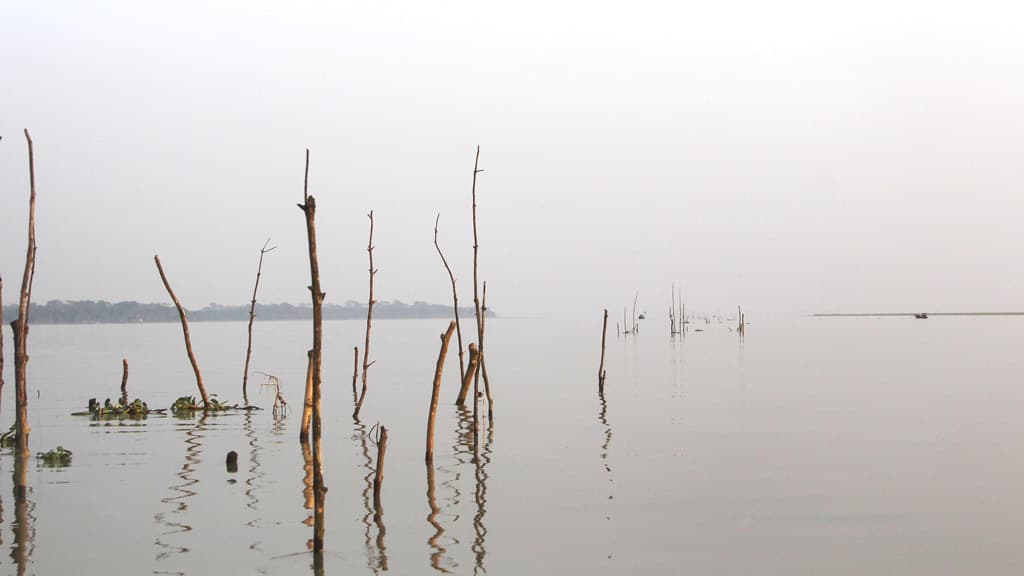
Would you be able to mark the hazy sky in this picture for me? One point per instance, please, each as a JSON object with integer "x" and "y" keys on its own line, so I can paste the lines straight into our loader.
{"x": 787, "y": 156}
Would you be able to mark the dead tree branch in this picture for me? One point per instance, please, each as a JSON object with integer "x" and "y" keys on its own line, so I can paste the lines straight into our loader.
{"x": 252, "y": 316}
{"x": 184, "y": 329}
{"x": 369, "y": 318}
{"x": 20, "y": 325}
{"x": 455, "y": 301}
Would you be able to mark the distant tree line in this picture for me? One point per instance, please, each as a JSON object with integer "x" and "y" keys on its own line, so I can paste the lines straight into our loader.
{"x": 102, "y": 312}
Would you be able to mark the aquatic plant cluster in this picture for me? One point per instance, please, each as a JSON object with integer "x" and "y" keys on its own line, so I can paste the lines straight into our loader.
{"x": 59, "y": 456}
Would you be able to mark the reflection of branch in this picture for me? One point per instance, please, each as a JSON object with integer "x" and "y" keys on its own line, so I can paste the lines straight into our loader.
{"x": 307, "y": 481}
{"x": 378, "y": 485}
{"x": 435, "y": 557}
{"x": 602, "y": 417}
{"x": 22, "y": 527}
{"x": 479, "y": 549}
{"x": 376, "y": 559}
{"x": 193, "y": 452}
{"x": 254, "y": 475}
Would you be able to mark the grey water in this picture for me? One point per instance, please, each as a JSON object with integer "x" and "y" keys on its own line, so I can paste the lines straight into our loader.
{"x": 811, "y": 446}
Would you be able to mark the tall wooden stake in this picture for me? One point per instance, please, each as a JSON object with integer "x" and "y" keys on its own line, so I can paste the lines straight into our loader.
{"x": 600, "y": 370}
{"x": 252, "y": 316}
{"x": 445, "y": 339}
{"x": 369, "y": 318}
{"x": 184, "y": 329}
{"x": 308, "y": 208}
{"x": 20, "y": 326}
{"x": 455, "y": 301}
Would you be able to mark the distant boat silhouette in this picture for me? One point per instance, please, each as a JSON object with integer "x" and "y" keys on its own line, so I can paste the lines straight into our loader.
{"x": 921, "y": 316}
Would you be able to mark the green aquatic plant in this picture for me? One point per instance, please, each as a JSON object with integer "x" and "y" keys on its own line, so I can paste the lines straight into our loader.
{"x": 59, "y": 456}
{"x": 7, "y": 439}
{"x": 134, "y": 409}
{"x": 186, "y": 404}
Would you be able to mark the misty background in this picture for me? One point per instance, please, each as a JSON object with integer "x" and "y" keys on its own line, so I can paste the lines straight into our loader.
{"x": 786, "y": 156}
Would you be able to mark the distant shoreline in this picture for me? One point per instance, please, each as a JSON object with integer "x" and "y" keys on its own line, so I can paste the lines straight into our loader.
{"x": 912, "y": 314}
{"x": 102, "y": 312}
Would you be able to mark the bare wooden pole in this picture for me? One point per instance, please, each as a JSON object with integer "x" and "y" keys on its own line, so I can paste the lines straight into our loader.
{"x": 307, "y": 404}
{"x": 378, "y": 478}
{"x": 124, "y": 381}
{"x": 455, "y": 301}
{"x": 369, "y": 318}
{"x": 445, "y": 339}
{"x": 308, "y": 208}
{"x": 470, "y": 374}
{"x": 252, "y": 317}
{"x": 476, "y": 298}
{"x": 600, "y": 370}
{"x": 184, "y": 329}
{"x": 20, "y": 325}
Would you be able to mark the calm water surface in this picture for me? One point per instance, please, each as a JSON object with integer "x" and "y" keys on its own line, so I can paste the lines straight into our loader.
{"x": 814, "y": 446}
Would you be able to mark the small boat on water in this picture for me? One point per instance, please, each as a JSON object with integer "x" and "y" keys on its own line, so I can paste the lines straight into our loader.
{"x": 921, "y": 316}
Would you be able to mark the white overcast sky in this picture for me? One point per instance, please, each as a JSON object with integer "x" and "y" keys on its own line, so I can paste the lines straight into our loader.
{"x": 787, "y": 156}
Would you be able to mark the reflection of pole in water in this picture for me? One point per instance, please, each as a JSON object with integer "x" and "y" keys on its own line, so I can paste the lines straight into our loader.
{"x": 311, "y": 502}
{"x": 376, "y": 558}
{"x": 24, "y": 531}
{"x": 319, "y": 492}
{"x": 602, "y": 417}
{"x": 481, "y": 462}
{"x": 254, "y": 475}
{"x": 433, "y": 541}
{"x": 193, "y": 452}
{"x": 378, "y": 484}
{"x": 307, "y": 485}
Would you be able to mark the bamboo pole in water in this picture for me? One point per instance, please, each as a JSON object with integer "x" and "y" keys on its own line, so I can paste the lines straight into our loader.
{"x": 252, "y": 317}
{"x": 124, "y": 381}
{"x": 20, "y": 326}
{"x": 438, "y": 370}
{"x": 369, "y": 317}
{"x": 184, "y": 329}
{"x": 455, "y": 301}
